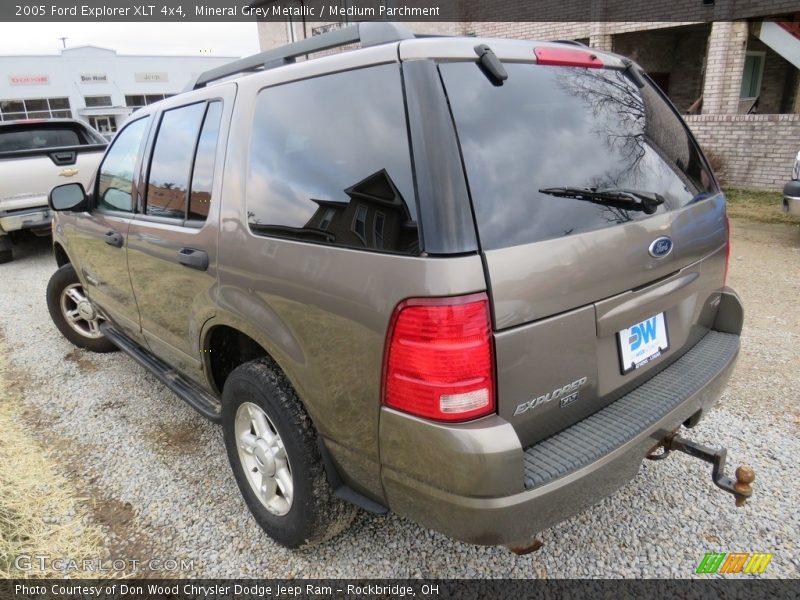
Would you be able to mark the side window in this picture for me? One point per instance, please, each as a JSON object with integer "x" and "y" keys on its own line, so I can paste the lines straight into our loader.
{"x": 115, "y": 182}
{"x": 186, "y": 144}
{"x": 203, "y": 170}
{"x": 322, "y": 172}
{"x": 168, "y": 179}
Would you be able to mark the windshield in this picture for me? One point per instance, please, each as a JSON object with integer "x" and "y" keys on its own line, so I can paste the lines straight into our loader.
{"x": 550, "y": 126}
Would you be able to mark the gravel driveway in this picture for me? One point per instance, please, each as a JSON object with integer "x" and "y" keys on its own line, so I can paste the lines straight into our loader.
{"x": 159, "y": 482}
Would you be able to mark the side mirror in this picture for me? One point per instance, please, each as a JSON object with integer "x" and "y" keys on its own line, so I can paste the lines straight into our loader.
{"x": 70, "y": 196}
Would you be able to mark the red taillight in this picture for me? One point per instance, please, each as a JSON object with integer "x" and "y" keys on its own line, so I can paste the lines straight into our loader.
{"x": 439, "y": 361}
{"x": 727, "y": 249}
{"x": 567, "y": 57}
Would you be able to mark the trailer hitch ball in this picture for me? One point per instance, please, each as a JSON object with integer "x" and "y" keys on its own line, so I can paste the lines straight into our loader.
{"x": 745, "y": 475}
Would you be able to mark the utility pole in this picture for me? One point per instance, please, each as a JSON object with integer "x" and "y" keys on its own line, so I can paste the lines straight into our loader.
{"x": 63, "y": 41}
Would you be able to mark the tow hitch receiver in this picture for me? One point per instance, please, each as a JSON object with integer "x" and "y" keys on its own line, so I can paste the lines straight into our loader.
{"x": 745, "y": 475}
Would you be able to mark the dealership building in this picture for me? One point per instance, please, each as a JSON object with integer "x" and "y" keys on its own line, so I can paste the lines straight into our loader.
{"x": 95, "y": 85}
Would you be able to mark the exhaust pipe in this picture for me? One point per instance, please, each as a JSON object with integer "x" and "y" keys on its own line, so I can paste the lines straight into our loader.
{"x": 745, "y": 475}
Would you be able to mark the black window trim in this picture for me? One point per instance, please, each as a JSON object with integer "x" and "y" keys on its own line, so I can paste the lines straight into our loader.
{"x": 141, "y": 213}
{"x": 135, "y": 180}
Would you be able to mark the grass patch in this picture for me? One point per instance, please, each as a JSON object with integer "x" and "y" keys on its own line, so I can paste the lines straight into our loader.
{"x": 40, "y": 510}
{"x": 762, "y": 207}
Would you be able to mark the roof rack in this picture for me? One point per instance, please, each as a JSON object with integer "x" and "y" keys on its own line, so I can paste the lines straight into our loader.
{"x": 368, "y": 34}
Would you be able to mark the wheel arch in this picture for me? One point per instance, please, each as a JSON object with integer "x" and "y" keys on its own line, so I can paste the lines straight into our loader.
{"x": 225, "y": 348}
{"x": 62, "y": 258}
{"x": 228, "y": 343}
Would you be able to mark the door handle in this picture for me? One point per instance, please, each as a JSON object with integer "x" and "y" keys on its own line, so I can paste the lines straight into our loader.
{"x": 112, "y": 238}
{"x": 193, "y": 258}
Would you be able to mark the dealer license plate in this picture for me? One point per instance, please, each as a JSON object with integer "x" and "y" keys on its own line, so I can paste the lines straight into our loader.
{"x": 642, "y": 343}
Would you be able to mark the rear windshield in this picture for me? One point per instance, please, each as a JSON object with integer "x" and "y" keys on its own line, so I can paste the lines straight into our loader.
{"x": 22, "y": 137}
{"x": 566, "y": 127}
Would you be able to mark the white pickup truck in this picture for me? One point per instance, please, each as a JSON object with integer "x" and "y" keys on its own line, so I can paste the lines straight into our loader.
{"x": 34, "y": 157}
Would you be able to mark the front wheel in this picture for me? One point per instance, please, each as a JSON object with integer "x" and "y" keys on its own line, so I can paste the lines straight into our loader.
{"x": 272, "y": 448}
{"x": 73, "y": 314}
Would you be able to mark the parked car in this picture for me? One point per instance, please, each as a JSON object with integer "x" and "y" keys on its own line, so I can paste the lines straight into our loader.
{"x": 791, "y": 191}
{"x": 474, "y": 282}
{"x": 35, "y": 155}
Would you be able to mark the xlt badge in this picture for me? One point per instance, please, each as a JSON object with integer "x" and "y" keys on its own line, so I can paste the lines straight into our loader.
{"x": 568, "y": 395}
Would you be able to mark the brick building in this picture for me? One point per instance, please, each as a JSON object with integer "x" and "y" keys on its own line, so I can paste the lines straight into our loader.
{"x": 736, "y": 79}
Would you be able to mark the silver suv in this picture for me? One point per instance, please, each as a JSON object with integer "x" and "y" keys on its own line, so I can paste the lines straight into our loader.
{"x": 472, "y": 281}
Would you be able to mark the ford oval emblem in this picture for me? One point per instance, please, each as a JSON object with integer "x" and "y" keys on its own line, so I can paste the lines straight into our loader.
{"x": 660, "y": 247}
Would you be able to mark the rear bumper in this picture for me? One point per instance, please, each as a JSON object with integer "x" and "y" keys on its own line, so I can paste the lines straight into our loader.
{"x": 27, "y": 218}
{"x": 557, "y": 477}
{"x": 791, "y": 197}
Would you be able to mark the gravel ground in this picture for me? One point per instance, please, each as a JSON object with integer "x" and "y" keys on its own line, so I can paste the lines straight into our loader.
{"x": 159, "y": 483}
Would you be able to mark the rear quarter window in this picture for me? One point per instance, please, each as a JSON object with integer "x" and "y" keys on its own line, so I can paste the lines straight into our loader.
{"x": 552, "y": 126}
{"x": 330, "y": 163}
{"x": 38, "y": 138}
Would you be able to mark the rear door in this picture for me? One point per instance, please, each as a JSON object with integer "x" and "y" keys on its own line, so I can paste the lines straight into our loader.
{"x": 588, "y": 299}
{"x": 172, "y": 242}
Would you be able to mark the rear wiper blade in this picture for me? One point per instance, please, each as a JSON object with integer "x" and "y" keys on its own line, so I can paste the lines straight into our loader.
{"x": 647, "y": 202}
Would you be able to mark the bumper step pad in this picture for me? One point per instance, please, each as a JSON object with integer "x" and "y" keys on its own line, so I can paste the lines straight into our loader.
{"x": 592, "y": 438}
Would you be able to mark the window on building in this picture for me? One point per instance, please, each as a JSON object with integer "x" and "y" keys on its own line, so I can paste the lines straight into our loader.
{"x": 115, "y": 182}
{"x": 360, "y": 223}
{"x": 95, "y": 101}
{"x": 105, "y": 124}
{"x": 35, "y": 108}
{"x": 752, "y": 74}
{"x": 380, "y": 220}
{"x": 327, "y": 218}
{"x": 136, "y": 101}
{"x": 203, "y": 170}
{"x": 11, "y": 110}
{"x": 317, "y": 175}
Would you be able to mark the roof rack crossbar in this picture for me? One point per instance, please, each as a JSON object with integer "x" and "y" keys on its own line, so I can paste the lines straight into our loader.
{"x": 368, "y": 34}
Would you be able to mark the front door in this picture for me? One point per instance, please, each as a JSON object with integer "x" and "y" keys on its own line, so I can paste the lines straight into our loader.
{"x": 172, "y": 242}
{"x": 97, "y": 242}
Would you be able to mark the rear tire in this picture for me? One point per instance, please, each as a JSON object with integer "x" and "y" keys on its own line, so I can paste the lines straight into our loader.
{"x": 71, "y": 312}
{"x": 272, "y": 449}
